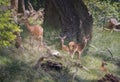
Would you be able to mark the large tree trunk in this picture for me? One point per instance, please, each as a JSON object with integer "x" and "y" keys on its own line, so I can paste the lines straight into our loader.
{"x": 14, "y": 5}
{"x": 72, "y": 16}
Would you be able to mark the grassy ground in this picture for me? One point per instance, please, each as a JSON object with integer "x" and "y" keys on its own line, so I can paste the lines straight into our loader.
{"x": 17, "y": 65}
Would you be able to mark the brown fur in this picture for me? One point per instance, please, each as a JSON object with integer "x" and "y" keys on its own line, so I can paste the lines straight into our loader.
{"x": 75, "y": 47}
{"x": 36, "y": 31}
{"x": 103, "y": 68}
{"x": 64, "y": 47}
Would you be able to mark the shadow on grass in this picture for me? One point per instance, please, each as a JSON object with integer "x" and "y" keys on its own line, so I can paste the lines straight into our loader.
{"x": 66, "y": 76}
{"x": 14, "y": 70}
{"x": 107, "y": 57}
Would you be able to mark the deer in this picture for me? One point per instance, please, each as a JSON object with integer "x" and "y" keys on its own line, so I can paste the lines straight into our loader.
{"x": 75, "y": 47}
{"x": 103, "y": 68}
{"x": 35, "y": 30}
{"x": 112, "y": 22}
{"x": 64, "y": 47}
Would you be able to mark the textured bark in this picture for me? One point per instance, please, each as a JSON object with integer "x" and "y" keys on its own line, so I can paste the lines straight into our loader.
{"x": 14, "y": 4}
{"x": 23, "y": 6}
{"x": 72, "y": 16}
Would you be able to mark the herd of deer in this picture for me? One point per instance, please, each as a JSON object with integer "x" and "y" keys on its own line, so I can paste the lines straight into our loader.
{"x": 37, "y": 33}
{"x": 74, "y": 47}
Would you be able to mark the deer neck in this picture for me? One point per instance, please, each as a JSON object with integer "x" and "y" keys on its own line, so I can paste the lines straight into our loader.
{"x": 84, "y": 44}
{"x": 102, "y": 65}
{"x": 28, "y": 26}
{"x": 62, "y": 44}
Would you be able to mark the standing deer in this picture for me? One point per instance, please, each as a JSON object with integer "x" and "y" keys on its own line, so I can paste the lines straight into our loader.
{"x": 35, "y": 30}
{"x": 75, "y": 47}
{"x": 64, "y": 47}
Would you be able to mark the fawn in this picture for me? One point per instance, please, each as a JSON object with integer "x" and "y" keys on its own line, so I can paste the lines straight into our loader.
{"x": 111, "y": 24}
{"x": 103, "y": 68}
{"x": 35, "y": 30}
{"x": 64, "y": 47}
{"x": 75, "y": 47}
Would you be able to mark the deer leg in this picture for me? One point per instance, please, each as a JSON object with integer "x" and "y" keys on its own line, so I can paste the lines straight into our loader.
{"x": 79, "y": 54}
{"x": 41, "y": 39}
{"x": 74, "y": 51}
{"x": 72, "y": 55}
{"x": 31, "y": 41}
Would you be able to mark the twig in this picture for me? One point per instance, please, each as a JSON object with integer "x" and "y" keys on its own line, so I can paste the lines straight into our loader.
{"x": 110, "y": 52}
{"x": 93, "y": 47}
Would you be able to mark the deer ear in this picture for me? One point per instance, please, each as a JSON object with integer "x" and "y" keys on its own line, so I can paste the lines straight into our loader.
{"x": 64, "y": 37}
{"x": 86, "y": 37}
{"x": 59, "y": 37}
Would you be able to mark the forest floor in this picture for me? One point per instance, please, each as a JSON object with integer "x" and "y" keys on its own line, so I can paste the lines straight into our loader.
{"x": 17, "y": 65}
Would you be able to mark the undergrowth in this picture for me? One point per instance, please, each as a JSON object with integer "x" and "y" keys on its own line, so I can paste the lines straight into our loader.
{"x": 18, "y": 65}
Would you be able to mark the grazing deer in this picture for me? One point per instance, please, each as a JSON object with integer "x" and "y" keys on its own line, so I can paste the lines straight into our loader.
{"x": 103, "y": 68}
{"x": 117, "y": 27}
{"x": 35, "y": 30}
{"x": 110, "y": 24}
{"x": 75, "y": 47}
{"x": 64, "y": 47}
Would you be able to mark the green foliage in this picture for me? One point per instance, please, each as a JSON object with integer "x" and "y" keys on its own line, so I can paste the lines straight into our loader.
{"x": 37, "y": 4}
{"x": 5, "y": 2}
{"x": 19, "y": 68}
{"x": 103, "y": 10}
{"x": 7, "y": 26}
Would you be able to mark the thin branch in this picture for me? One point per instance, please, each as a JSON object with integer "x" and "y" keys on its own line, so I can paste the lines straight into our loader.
{"x": 110, "y": 52}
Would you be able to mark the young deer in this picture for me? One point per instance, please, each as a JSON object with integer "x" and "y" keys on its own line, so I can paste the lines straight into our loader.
{"x": 64, "y": 47}
{"x": 36, "y": 31}
{"x": 110, "y": 25}
{"x": 75, "y": 47}
{"x": 103, "y": 68}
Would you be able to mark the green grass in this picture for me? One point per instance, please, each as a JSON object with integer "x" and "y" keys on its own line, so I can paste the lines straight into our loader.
{"x": 17, "y": 65}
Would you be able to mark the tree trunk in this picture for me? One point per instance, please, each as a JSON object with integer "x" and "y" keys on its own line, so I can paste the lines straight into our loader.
{"x": 14, "y": 5}
{"x": 72, "y": 16}
{"x": 23, "y": 6}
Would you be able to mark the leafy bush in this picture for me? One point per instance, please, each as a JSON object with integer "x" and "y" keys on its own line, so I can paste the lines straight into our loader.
{"x": 7, "y": 25}
{"x": 103, "y": 10}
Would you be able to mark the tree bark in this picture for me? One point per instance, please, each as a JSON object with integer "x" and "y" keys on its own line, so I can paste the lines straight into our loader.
{"x": 14, "y": 4}
{"x": 23, "y": 6}
{"x": 72, "y": 16}
{"x": 14, "y": 7}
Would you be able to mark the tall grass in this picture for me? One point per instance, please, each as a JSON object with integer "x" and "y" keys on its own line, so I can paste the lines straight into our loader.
{"x": 17, "y": 66}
